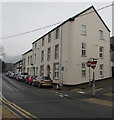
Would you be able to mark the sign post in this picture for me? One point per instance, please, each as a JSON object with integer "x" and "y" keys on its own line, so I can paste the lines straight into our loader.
{"x": 93, "y": 65}
{"x": 89, "y": 65}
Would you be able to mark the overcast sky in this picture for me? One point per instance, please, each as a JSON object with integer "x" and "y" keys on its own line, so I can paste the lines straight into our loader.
{"x": 19, "y": 17}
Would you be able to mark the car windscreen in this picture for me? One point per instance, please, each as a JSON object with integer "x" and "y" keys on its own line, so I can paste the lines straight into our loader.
{"x": 46, "y": 78}
{"x": 34, "y": 76}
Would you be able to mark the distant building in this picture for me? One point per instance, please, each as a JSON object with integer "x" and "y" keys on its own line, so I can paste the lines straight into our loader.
{"x": 18, "y": 66}
{"x": 112, "y": 53}
{"x": 27, "y": 62}
{"x": 62, "y": 53}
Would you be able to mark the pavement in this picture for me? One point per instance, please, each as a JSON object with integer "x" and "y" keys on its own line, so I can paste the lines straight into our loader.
{"x": 72, "y": 92}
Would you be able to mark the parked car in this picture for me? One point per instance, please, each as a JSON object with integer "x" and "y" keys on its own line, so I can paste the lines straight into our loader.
{"x": 11, "y": 75}
{"x": 8, "y": 73}
{"x": 20, "y": 76}
{"x": 42, "y": 81}
{"x": 30, "y": 78}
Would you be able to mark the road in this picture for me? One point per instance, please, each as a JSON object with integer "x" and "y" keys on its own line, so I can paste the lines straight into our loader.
{"x": 49, "y": 103}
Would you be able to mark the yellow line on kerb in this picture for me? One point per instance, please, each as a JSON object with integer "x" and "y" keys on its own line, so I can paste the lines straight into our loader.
{"x": 17, "y": 108}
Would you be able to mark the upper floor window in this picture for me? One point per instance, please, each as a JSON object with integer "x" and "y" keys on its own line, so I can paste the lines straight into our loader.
{"x": 57, "y": 33}
{"x": 42, "y": 70}
{"x": 101, "y": 51}
{"x": 83, "y": 30}
{"x": 35, "y": 46}
{"x": 49, "y": 38}
{"x": 34, "y": 58}
{"x": 42, "y": 56}
{"x": 101, "y": 37}
{"x": 56, "y": 51}
{"x": 49, "y": 54}
{"x": 31, "y": 59}
{"x": 28, "y": 60}
{"x": 42, "y": 41}
{"x": 83, "y": 49}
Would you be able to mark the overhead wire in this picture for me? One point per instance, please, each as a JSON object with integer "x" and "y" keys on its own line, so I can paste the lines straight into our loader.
{"x": 15, "y": 35}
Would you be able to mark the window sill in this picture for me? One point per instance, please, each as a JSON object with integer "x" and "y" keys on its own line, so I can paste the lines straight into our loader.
{"x": 101, "y": 76}
{"x": 83, "y": 34}
{"x": 83, "y": 76}
{"x": 83, "y": 56}
{"x": 101, "y": 39}
{"x": 101, "y": 58}
{"x": 56, "y": 78}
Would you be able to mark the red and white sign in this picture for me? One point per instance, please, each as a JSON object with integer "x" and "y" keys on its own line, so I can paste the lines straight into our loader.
{"x": 88, "y": 63}
{"x": 93, "y": 64}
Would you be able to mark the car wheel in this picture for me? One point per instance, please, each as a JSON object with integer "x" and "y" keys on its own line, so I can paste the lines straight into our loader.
{"x": 39, "y": 85}
{"x": 32, "y": 84}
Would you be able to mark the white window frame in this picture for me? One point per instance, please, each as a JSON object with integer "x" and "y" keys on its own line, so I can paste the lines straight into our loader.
{"x": 49, "y": 38}
{"x": 57, "y": 34}
{"x": 83, "y": 30}
{"x": 42, "y": 70}
{"x": 56, "y": 71}
{"x": 101, "y": 69}
{"x": 35, "y": 46}
{"x": 57, "y": 51}
{"x": 83, "y": 70}
{"x": 83, "y": 49}
{"x": 34, "y": 58}
{"x": 101, "y": 35}
{"x": 101, "y": 51}
{"x": 49, "y": 54}
{"x": 43, "y": 40}
{"x": 42, "y": 55}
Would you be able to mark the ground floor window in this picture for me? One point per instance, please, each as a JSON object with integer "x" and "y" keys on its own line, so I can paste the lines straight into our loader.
{"x": 101, "y": 67}
{"x": 83, "y": 69}
{"x": 42, "y": 70}
{"x": 56, "y": 71}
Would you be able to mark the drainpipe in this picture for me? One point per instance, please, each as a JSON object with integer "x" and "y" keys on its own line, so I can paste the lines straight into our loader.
{"x": 61, "y": 73}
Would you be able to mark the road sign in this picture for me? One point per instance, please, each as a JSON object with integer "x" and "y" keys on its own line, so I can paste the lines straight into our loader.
{"x": 93, "y": 64}
{"x": 62, "y": 68}
{"x": 88, "y": 63}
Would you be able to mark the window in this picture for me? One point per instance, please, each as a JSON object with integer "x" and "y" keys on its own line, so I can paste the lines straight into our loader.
{"x": 34, "y": 58}
{"x": 42, "y": 70}
{"x": 56, "y": 71}
{"x": 49, "y": 54}
{"x": 49, "y": 38}
{"x": 56, "y": 51}
{"x": 28, "y": 60}
{"x": 83, "y": 49}
{"x": 57, "y": 34}
{"x": 83, "y": 31}
{"x": 101, "y": 51}
{"x": 83, "y": 69}
{"x": 100, "y": 34}
{"x": 42, "y": 56}
{"x": 101, "y": 67}
{"x": 35, "y": 46}
{"x": 42, "y": 41}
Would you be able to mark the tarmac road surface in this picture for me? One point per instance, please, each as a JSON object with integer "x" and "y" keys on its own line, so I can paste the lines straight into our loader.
{"x": 50, "y": 103}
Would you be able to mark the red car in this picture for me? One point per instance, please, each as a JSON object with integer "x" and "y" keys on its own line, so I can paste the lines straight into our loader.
{"x": 30, "y": 78}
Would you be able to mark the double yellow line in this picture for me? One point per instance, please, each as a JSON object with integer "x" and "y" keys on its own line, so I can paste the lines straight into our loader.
{"x": 17, "y": 108}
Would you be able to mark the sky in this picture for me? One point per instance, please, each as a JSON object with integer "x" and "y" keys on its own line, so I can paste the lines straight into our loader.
{"x": 23, "y": 16}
